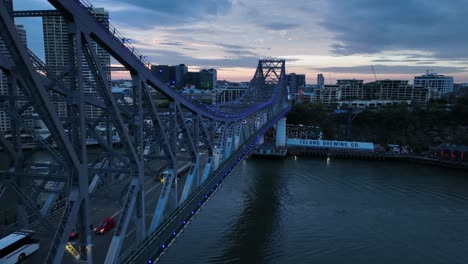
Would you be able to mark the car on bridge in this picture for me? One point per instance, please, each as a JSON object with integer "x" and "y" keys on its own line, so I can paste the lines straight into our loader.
{"x": 74, "y": 233}
{"x": 106, "y": 225}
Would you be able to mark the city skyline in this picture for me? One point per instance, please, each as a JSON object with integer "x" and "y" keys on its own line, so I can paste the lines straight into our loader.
{"x": 401, "y": 39}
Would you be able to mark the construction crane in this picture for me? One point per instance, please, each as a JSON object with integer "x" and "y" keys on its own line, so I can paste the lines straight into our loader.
{"x": 373, "y": 70}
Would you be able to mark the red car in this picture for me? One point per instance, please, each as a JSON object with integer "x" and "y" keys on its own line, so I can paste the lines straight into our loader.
{"x": 106, "y": 225}
{"x": 74, "y": 233}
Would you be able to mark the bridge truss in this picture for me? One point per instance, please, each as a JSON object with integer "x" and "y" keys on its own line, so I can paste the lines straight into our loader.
{"x": 147, "y": 133}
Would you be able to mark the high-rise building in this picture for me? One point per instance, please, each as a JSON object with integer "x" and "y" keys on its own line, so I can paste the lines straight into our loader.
{"x": 320, "y": 80}
{"x": 436, "y": 83}
{"x": 351, "y": 89}
{"x": 208, "y": 79}
{"x": 296, "y": 82}
{"x": 163, "y": 72}
{"x": 180, "y": 75}
{"x": 388, "y": 90}
{"x": 57, "y": 47}
{"x": 193, "y": 78}
{"x": 5, "y": 124}
{"x": 171, "y": 75}
{"x": 204, "y": 79}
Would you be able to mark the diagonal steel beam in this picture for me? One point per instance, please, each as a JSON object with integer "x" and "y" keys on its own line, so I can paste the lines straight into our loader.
{"x": 122, "y": 225}
{"x": 33, "y": 85}
{"x": 31, "y": 205}
{"x": 152, "y": 111}
{"x": 59, "y": 242}
{"x": 106, "y": 93}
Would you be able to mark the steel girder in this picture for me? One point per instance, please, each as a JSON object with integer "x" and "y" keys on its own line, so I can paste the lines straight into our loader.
{"x": 233, "y": 135}
{"x": 31, "y": 86}
{"x": 120, "y": 50}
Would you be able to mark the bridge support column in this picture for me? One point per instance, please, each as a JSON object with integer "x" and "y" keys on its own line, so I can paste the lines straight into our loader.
{"x": 281, "y": 133}
{"x": 207, "y": 170}
{"x": 227, "y": 147}
{"x": 216, "y": 157}
{"x": 237, "y": 136}
{"x": 51, "y": 198}
{"x": 192, "y": 181}
{"x": 164, "y": 198}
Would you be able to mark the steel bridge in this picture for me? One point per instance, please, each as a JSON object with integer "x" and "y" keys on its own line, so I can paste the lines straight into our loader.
{"x": 51, "y": 199}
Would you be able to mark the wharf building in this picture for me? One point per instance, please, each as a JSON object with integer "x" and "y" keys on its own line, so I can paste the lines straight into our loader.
{"x": 56, "y": 46}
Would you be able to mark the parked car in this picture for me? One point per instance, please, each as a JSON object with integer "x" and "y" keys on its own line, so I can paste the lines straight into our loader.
{"x": 106, "y": 225}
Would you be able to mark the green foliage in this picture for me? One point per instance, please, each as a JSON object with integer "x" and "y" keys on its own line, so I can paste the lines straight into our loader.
{"x": 306, "y": 114}
{"x": 440, "y": 122}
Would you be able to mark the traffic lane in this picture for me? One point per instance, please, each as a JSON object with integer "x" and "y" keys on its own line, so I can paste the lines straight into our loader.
{"x": 111, "y": 207}
{"x": 152, "y": 189}
{"x": 152, "y": 195}
{"x": 151, "y": 201}
{"x": 107, "y": 205}
{"x": 100, "y": 208}
{"x": 102, "y": 242}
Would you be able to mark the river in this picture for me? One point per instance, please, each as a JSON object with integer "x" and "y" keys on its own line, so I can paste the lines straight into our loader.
{"x": 338, "y": 211}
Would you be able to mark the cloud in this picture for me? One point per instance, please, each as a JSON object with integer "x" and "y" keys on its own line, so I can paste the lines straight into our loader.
{"x": 280, "y": 25}
{"x": 171, "y": 43}
{"x": 185, "y": 7}
{"x": 394, "y": 69}
{"x": 232, "y": 46}
{"x": 170, "y": 57}
{"x": 399, "y": 60}
{"x": 168, "y": 12}
{"x": 372, "y": 26}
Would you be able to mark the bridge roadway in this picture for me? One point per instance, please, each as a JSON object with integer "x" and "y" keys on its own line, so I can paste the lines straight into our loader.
{"x": 108, "y": 205}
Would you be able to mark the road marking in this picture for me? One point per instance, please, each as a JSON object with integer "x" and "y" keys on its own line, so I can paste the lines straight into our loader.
{"x": 152, "y": 188}
{"x": 118, "y": 212}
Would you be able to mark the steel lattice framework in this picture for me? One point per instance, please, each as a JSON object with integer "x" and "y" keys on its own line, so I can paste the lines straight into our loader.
{"x": 148, "y": 134}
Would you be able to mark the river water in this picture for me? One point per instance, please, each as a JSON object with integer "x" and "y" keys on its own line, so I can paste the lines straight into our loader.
{"x": 342, "y": 211}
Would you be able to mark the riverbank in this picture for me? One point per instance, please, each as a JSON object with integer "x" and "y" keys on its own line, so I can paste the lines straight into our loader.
{"x": 369, "y": 155}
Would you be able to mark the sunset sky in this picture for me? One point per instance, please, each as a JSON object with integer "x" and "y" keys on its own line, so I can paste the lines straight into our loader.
{"x": 341, "y": 39}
